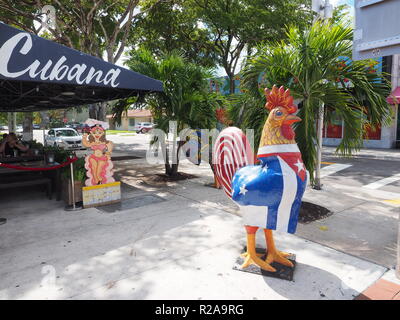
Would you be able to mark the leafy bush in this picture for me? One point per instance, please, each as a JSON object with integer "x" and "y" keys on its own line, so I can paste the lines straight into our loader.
{"x": 33, "y": 144}
{"x": 79, "y": 171}
{"x": 60, "y": 155}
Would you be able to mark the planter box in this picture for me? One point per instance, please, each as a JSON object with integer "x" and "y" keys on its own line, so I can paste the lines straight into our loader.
{"x": 67, "y": 191}
{"x": 101, "y": 194}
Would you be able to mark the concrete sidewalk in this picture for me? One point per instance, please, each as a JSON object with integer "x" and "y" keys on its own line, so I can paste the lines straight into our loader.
{"x": 380, "y": 154}
{"x": 179, "y": 241}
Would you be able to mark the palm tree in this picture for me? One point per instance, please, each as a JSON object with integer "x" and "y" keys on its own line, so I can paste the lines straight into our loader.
{"x": 186, "y": 98}
{"x": 315, "y": 66}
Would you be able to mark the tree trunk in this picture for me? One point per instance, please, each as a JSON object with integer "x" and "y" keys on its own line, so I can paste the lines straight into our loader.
{"x": 92, "y": 111}
{"x": 98, "y": 111}
{"x": 12, "y": 122}
{"x": 44, "y": 115}
{"x": 172, "y": 169}
{"x": 27, "y": 134}
{"x": 232, "y": 84}
{"x": 102, "y": 113}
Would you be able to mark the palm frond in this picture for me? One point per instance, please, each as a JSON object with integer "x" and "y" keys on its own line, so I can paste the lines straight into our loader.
{"x": 310, "y": 64}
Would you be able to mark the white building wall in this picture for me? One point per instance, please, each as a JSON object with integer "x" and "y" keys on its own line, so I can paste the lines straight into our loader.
{"x": 395, "y": 84}
{"x": 134, "y": 121}
{"x": 396, "y": 71}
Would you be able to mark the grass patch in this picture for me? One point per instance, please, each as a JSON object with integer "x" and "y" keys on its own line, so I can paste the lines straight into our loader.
{"x": 120, "y": 131}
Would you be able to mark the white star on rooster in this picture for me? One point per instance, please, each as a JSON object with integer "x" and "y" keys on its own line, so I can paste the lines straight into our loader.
{"x": 265, "y": 169}
{"x": 299, "y": 165}
{"x": 243, "y": 190}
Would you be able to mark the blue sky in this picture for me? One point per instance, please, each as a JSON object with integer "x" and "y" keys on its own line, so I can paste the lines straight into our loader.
{"x": 348, "y": 2}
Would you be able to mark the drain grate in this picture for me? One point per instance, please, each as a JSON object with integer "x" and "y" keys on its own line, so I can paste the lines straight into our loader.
{"x": 131, "y": 203}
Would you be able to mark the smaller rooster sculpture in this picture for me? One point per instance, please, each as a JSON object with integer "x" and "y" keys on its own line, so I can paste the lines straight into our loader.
{"x": 269, "y": 194}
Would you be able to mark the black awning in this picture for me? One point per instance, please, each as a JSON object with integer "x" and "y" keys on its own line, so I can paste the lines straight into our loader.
{"x": 38, "y": 74}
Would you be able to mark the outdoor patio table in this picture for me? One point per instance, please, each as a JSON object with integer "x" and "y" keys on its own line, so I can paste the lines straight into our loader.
{"x": 20, "y": 159}
{"x": 38, "y": 166}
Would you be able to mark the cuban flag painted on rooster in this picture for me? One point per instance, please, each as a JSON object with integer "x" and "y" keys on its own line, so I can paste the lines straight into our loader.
{"x": 270, "y": 193}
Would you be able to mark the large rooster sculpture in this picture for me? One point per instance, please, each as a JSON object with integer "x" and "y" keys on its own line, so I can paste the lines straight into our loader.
{"x": 269, "y": 194}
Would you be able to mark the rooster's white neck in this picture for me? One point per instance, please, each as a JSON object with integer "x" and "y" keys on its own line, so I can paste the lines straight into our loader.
{"x": 278, "y": 148}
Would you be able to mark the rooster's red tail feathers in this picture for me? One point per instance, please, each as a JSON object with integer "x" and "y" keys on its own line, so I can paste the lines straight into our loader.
{"x": 232, "y": 151}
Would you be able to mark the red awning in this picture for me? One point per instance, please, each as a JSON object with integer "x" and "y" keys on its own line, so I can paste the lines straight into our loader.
{"x": 394, "y": 97}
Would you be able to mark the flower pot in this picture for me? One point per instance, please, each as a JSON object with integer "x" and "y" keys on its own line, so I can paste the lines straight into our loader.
{"x": 49, "y": 157}
{"x": 67, "y": 191}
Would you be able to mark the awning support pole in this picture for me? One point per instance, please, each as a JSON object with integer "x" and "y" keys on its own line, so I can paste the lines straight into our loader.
{"x": 398, "y": 251}
{"x": 74, "y": 207}
{"x": 72, "y": 186}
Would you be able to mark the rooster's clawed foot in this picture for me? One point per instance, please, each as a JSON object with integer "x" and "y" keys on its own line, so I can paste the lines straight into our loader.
{"x": 254, "y": 259}
{"x": 274, "y": 255}
{"x": 279, "y": 257}
{"x": 251, "y": 256}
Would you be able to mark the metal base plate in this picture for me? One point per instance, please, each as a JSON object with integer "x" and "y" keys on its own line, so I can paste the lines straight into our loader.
{"x": 282, "y": 272}
{"x": 78, "y": 206}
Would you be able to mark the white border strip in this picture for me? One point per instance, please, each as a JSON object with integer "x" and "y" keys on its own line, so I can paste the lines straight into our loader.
{"x": 276, "y": 148}
{"x": 333, "y": 168}
{"x": 288, "y": 196}
{"x": 382, "y": 182}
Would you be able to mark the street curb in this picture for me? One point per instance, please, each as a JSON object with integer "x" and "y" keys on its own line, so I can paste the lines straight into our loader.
{"x": 364, "y": 156}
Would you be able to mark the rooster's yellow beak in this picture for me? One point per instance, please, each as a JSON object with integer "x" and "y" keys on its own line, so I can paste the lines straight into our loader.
{"x": 291, "y": 119}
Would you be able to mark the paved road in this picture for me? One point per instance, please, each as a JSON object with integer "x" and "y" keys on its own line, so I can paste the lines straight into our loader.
{"x": 128, "y": 144}
{"x": 383, "y": 174}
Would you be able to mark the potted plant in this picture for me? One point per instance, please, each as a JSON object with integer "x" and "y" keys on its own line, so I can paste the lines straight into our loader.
{"x": 35, "y": 147}
{"x": 79, "y": 181}
{"x": 55, "y": 153}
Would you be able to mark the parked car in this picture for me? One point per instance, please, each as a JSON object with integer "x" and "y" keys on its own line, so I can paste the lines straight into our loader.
{"x": 19, "y": 129}
{"x": 66, "y": 138}
{"x": 85, "y": 129}
{"x": 143, "y": 127}
{"x": 82, "y": 128}
{"x": 3, "y": 128}
{"x": 73, "y": 125}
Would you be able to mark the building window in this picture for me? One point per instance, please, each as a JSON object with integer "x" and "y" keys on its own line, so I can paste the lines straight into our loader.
{"x": 334, "y": 128}
{"x": 132, "y": 122}
{"x": 372, "y": 133}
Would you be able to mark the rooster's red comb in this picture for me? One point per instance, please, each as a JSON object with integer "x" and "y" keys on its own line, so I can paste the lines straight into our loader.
{"x": 279, "y": 98}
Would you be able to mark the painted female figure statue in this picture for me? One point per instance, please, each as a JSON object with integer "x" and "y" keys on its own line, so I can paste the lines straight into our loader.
{"x": 98, "y": 164}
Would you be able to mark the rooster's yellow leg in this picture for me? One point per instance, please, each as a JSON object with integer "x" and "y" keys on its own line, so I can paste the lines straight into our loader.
{"x": 273, "y": 253}
{"x": 251, "y": 257}
{"x": 216, "y": 184}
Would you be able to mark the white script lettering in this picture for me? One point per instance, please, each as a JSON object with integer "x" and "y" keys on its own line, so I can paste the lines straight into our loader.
{"x": 57, "y": 71}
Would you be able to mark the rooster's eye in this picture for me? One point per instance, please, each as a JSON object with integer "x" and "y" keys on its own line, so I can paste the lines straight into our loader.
{"x": 279, "y": 113}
